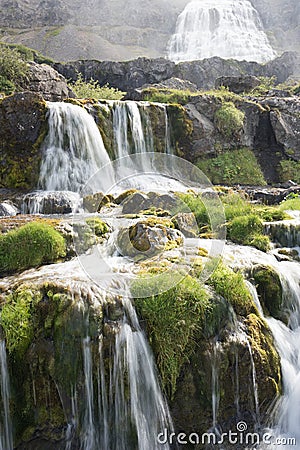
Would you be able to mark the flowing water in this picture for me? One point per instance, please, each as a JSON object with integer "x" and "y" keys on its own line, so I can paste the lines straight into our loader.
{"x": 6, "y": 440}
{"x": 73, "y": 149}
{"x": 224, "y": 28}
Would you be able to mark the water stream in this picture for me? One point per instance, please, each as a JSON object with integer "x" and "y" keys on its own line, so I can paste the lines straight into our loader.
{"x": 6, "y": 439}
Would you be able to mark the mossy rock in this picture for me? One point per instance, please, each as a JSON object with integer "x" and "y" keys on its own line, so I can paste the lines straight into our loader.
{"x": 269, "y": 290}
{"x": 23, "y": 127}
{"x": 29, "y": 246}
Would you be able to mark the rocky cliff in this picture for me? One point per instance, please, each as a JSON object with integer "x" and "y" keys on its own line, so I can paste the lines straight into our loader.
{"x": 119, "y": 29}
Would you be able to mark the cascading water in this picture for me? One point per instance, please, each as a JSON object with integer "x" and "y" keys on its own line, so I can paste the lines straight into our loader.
{"x": 224, "y": 28}
{"x": 73, "y": 150}
{"x": 6, "y": 440}
{"x": 287, "y": 340}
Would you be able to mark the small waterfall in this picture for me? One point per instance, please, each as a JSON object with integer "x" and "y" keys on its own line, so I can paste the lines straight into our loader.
{"x": 138, "y": 406}
{"x": 73, "y": 149}
{"x": 6, "y": 440}
{"x": 287, "y": 341}
{"x": 123, "y": 405}
{"x": 224, "y": 28}
{"x": 132, "y": 128}
{"x": 215, "y": 391}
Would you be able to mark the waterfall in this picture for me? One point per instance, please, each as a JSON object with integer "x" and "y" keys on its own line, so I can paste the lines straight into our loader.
{"x": 287, "y": 342}
{"x": 6, "y": 440}
{"x": 73, "y": 149}
{"x": 123, "y": 406}
{"x": 224, "y": 28}
{"x": 144, "y": 413}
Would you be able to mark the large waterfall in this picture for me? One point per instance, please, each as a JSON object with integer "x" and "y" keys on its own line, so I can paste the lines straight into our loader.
{"x": 224, "y": 28}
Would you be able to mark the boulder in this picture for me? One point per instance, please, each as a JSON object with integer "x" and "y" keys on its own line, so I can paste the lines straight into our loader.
{"x": 47, "y": 82}
{"x": 7, "y": 208}
{"x": 45, "y": 202}
{"x": 147, "y": 238}
{"x": 239, "y": 84}
{"x": 22, "y": 128}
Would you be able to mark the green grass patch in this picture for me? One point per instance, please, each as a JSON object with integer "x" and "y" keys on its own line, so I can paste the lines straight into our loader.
{"x": 173, "y": 319}
{"x": 229, "y": 119}
{"x": 233, "y": 167}
{"x": 177, "y": 96}
{"x": 29, "y": 246}
{"x": 231, "y": 285}
{"x": 292, "y": 203}
{"x": 248, "y": 230}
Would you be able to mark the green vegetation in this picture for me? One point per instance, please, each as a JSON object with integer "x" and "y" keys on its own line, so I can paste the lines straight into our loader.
{"x": 98, "y": 226}
{"x": 291, "y": 203}
{"x": 266, "y": 84}
{"x": 173, "y": 319}
{"x": 244, "y": 220}
{"x": 177, "y": 96}
{"x": 269, "y": 290}
{"x": 289, "y": 170}
{"x": 15, "y": 319}
{"x": 91, "y": 89}
{"x": 229, "y": 119}
{"x": 233, "y": 167}
{"x": 29, "y": 246}
{"x": 13, "y": 69}
{"x": 232, "y": 287}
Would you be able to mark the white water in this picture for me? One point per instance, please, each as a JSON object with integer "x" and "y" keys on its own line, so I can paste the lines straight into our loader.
{"x": 224, "y": 28}
{"x": 73, "y": 150}
{"x": 6, "y": 440}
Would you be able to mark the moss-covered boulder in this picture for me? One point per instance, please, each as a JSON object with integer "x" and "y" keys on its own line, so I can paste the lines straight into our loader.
{"x": 226, "y": 367}
{"x": 147, "y": 238}
{"x": 269, "y": 290}
{"x": 22, "y": 129}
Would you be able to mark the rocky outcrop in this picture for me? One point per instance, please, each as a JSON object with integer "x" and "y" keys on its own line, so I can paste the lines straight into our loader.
{"x": 129, "y": 75}
{"x": 46, "y": 81}
{"x": 22, "y": 128}
{"x": 238, "y": 84}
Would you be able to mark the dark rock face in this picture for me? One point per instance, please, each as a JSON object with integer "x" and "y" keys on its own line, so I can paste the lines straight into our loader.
{"x": 130, "y": 75}
{"x": 125, "y": 75}
{"x": 22, "y": 126}
{"x": 238, "y": 84}
{"x": 46, "y": 81}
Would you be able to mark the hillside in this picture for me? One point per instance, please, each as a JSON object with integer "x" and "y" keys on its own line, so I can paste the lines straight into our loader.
{"x": 120, "y": 30}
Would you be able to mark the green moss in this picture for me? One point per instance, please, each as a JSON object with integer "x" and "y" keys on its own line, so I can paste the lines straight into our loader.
{"x": 233, "y": 167}
{"x": 229, "y": 120}
{"x": 173, "y": 319}
{"x": 248, "y": 230}
{"x": 232, "y": 287}
{"x": 99, "y": 226}
{"x": 163, "y": 95}
{"x": 269, "y": 290}
{"x": 29, "y": 246}
{"x": 181, "y": 128}
{"x": 15, "y": 320}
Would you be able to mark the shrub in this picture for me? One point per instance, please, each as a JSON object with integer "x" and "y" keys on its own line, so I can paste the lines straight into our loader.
{"x": 173, "y": 318}
{"x": 91, "y": 89}
{"x": 13, "y": 68}
{"x": 233, "y": 167}
{"x": 229, "y": 120}
{"x": 29, "y": 246}
{"x": 289, "y": 170}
